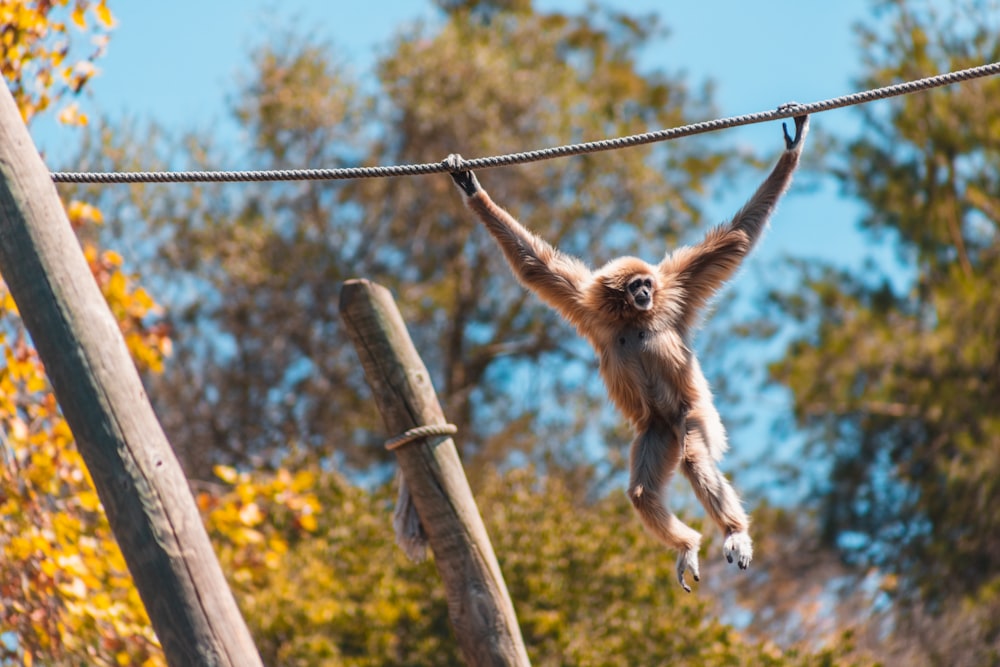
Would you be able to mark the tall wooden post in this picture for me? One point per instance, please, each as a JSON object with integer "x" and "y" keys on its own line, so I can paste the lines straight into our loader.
{"x": 478, "y": 602}
{"x": 139, "y": 481}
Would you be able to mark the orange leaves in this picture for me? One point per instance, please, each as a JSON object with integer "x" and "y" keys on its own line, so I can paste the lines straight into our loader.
{"x": 65, "y": 592}
{"x": 253, "y": 522}
{"x": 147, "y": 340}
{"x": 104, "y": 14}
{"x": 280, "y": 500}
{"x": 101, "y": 11}
{"x": 64, "y": 587}
{"x": 66, "y": 596}
{"x": 38, "y": 38}
{"x": 71, "y": 115}
{"x": 79, "y": 17}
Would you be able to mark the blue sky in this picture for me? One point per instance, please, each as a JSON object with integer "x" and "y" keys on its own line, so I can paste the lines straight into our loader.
{"x": 176, "y": 63}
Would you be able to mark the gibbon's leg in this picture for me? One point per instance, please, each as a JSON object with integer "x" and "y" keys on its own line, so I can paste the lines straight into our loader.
{"x": 655, "y": 455}
{"x": 711, "y": 486}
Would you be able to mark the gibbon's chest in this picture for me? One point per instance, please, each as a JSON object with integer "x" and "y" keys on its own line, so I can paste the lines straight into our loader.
{"x": 643, "y": 352}
{"x": 643, "y": 365}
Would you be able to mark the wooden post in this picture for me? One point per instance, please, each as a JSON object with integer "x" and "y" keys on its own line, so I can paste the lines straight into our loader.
{"x": 139, "y": 481}
{"x": 478, "y": 602}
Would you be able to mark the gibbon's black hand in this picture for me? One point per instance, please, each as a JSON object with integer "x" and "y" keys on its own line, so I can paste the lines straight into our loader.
{"x": 800, "y": 123}
{"x": 790, "y": 143}
{"x": 466, "y": 180}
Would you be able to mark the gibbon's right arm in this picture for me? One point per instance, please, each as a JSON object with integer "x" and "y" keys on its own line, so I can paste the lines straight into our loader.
{"x": 752, "y": 218}
{"x": 557, "y": 278}
{"x": 702, "y": 269}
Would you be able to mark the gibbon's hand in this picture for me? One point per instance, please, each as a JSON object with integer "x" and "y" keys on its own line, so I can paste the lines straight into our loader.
{"x": 466, "y": 180}
{"x": 801, "y": 125}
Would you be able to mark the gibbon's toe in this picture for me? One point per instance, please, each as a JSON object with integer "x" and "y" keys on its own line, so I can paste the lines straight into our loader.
{"x": 687, "y": 560}
{"x": 739, "y": 548}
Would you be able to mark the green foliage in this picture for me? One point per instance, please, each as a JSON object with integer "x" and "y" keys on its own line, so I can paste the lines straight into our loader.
{"x": 589, "y": 586}
{"x": 897, "y": 379}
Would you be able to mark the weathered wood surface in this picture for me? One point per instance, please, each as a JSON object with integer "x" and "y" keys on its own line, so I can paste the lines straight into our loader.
{"x": 139, "y": 481}
{"x": 479, "y": 605}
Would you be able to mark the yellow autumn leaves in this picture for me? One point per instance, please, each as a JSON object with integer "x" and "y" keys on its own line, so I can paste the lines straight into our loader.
{"x": 250, "y": 524}
{"x": 38, "y": 63}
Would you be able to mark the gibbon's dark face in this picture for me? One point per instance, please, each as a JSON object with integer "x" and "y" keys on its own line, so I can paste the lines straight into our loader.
{"x": 639, "y": 292}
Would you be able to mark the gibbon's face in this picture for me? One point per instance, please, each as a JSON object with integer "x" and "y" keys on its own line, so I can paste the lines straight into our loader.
{"x": 639, "y": 291}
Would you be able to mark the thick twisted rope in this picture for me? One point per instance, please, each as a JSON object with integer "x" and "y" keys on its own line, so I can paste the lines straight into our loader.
{"x": 419, "y": 433}
{"x": 784, "y": 111}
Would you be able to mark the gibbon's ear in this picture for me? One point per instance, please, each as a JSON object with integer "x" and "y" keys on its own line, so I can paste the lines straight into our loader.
{"x": 464, "y": 179}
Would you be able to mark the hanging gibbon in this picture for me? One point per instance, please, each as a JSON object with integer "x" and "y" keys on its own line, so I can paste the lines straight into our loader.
{"x": 640, "y": 319}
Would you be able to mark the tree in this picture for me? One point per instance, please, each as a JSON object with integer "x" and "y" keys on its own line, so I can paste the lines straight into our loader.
{"x": 590, "y": 587}
{"x": 261, "y": 376}
{"x": 268, "y": 259}
{"x": 896, "y": 378}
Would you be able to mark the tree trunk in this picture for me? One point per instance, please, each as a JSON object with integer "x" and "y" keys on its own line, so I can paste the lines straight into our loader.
{"x": 479, "y": 605}
{"x": 138, "y": 479}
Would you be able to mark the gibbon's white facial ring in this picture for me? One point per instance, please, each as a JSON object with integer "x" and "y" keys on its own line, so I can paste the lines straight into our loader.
{"x": 640, "y": 291}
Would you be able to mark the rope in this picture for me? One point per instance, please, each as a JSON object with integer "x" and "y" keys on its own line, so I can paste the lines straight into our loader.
{"x": 418, "y": 433}
{"x": 784, "y": 111}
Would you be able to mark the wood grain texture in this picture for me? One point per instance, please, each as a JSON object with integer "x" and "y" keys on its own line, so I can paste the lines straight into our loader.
{"x": 479, "y": 605}
{"x": 139, "y": 481}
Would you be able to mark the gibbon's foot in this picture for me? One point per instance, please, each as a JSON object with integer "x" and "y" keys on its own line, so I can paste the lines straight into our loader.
{"x": 687, "y": 560}
{"x": 466, "y": 180}
{"x": 738, "y": 546}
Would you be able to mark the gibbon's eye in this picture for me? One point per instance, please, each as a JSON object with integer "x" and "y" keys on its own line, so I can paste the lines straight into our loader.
{"x": 640, "y": 283}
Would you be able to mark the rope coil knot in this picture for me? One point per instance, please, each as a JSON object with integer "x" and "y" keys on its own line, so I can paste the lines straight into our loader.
{"x": 790, "y": 107}
{"x": 418, "y": 433}
{"x": 455, "y": 163}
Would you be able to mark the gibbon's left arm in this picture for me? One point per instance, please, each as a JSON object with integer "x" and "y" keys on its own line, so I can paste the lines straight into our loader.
{"x": 702, "y": 269}
{"x": 557, "y": 278}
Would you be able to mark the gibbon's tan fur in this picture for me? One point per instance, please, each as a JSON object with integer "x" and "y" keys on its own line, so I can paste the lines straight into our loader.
{"x": 639, "y": 319}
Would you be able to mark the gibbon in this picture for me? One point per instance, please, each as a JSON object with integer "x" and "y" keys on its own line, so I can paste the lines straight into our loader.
{"x": 639, "y": 319}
